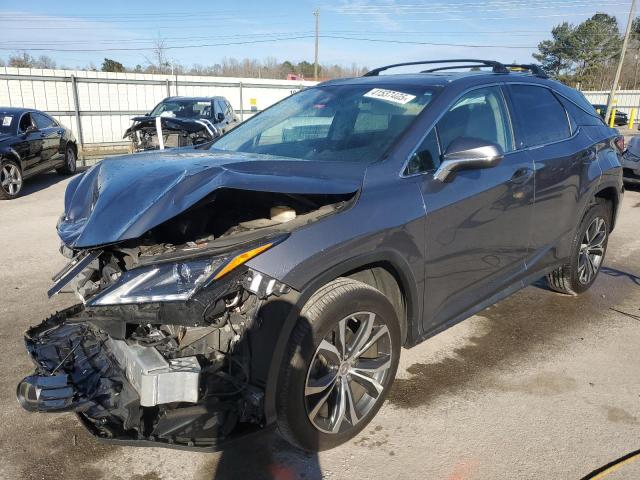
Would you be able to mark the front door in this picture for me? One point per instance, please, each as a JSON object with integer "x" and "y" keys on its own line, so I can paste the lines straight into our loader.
{"x": 479, "y": 221}
{"x": 29, "y": 144}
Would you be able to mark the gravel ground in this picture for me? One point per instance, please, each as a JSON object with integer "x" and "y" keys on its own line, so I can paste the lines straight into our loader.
{"x": 539, "y": 386}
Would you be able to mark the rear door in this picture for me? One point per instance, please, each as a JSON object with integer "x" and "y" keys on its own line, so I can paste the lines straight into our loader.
{"x": 478, "y": 223}
{"x": 561, "y": 156}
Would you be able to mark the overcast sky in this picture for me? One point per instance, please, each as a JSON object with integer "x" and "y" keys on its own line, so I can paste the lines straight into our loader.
{"x": 366, "y": 32}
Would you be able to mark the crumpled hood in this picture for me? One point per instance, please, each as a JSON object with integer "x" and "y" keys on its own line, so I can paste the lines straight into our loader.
{"x": 123, "y": 197}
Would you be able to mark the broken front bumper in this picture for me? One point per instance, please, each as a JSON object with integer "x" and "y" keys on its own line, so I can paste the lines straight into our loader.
{"x": 80, "y": 368}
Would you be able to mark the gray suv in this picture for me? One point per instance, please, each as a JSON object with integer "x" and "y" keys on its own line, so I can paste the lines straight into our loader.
{"x": 271, "y": 278}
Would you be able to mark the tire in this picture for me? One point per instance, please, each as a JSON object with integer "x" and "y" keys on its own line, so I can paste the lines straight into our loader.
{"x": 308, "y": 402}
{"x": 588, "y": 249}
{"x": 70, "y": 162}
{"x": 11, "y": 180}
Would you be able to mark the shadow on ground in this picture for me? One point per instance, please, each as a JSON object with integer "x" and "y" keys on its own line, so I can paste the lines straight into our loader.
{"x": 263, "y": 457}
{"x": 43, "y": 181}
{"x": 521, "y": 324}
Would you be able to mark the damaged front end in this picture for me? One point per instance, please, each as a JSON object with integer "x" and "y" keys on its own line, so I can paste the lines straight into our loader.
{"x": 163, "y": 349}
{"x": 158, "y": 132}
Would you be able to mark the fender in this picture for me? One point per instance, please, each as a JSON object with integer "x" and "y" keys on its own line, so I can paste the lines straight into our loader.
{"x": 282, "y": 313}
{"x": 9, "y": 151}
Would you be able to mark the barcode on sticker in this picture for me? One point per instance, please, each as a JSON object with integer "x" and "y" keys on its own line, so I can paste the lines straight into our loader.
{"x": 389, "y": 95}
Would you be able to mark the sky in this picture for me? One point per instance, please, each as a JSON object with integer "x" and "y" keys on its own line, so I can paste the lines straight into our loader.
{"x": 365, "y": 32}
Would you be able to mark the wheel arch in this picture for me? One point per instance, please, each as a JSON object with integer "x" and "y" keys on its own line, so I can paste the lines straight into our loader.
{"x": 386, "y": 271}
{"x": 610, "y": 194}
{"x": 11, "y": 154}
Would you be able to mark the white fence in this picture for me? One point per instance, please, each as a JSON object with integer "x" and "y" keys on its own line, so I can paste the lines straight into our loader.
{"x": 98, "y": 106}
{"x": 625, "y": 99}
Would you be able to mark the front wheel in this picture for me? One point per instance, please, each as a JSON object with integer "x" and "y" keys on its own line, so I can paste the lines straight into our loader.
{"x": 587, "y": 252}
{"x": 10, "y": 179}
{"x": 341, "y": 362}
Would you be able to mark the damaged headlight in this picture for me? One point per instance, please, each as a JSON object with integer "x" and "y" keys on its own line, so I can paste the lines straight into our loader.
{"x": 167, "y": 282}
{"x": 160, "y": 283}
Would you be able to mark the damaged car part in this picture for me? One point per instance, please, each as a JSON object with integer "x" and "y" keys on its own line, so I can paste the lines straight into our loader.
{"x": 272, "y": 277}
{"x": 158, "y": 133}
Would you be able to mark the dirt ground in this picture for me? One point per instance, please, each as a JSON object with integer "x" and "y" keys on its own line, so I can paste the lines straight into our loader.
{"x": 539, "y": 386}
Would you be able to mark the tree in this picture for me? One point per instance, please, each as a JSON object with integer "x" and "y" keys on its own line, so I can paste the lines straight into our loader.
{"x": 110, "y": 65}
{"x": 582, "y": 53}
{"x": 21, "y": 60}
{"x": 555, "y": 55}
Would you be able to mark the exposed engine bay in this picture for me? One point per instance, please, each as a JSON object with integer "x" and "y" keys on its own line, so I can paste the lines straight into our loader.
{"x": 160, "y": 132}
{"x": 162, "y": 349}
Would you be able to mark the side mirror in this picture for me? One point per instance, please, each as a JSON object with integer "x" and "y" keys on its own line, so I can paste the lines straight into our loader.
{"x": 468, "y": 153}
{"x": 219, "y": 116}
{"x": 31, "y": 129}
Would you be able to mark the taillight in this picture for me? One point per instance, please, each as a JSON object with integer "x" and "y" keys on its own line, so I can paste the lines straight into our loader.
{"x": 619, "y": 141}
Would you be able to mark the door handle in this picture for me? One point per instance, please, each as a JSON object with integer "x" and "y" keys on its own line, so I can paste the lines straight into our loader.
{"x": 43, "y": 134}
{"x": 60, "y": 132}
{"x": 521, "y": 175}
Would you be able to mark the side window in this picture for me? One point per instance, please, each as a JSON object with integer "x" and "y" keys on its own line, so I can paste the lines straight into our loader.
{"x": 229, "y": 107}
{"x": 540, "y": 116}
{"x": 426, "y": 157}
{"x": 220, "y": 107}
{"x": 42, "y": 121}
{"x": 480, "y": 114}
{"x": 578, "y": 115}
{"x": 25, "y": 122}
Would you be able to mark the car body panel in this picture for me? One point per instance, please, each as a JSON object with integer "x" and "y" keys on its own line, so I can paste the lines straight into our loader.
{"x": 104, "y": 206}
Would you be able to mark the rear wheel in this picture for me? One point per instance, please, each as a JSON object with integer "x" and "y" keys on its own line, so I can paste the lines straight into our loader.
{"x": 10, "y": 179}
{"x": 341, "y": 362}
{"x": 588, "y": 249}
{"x": 70, "y": 162}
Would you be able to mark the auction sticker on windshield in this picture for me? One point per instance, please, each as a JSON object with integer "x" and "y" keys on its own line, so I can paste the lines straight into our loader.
{"x": 389, "y": 95}
{"x": 6, "y": 121}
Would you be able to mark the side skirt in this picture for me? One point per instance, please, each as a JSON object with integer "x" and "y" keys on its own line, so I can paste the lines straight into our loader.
{"x": 513, "y": 288}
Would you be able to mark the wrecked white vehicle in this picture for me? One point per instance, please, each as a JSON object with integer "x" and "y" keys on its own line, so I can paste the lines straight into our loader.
{"x": 158, "y": 132}
{"x": 181, "y": 122}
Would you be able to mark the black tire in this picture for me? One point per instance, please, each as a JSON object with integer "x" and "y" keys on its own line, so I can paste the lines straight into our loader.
{"x": 11, "y": 180}
{"x": 569, "y": 278}
{"x": 341, "y": 300}
{"x": 70, "y": 162}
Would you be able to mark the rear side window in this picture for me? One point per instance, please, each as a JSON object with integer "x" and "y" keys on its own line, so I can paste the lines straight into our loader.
{"x": 42, "y": 121}
{"x": 540, "y": 118}
{"x": 579, "y": 116}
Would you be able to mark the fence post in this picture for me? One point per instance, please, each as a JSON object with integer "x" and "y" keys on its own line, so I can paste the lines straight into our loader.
{"x": 76, "y": 107}
{"x": 168, "y": 88}
{"x": 241, "y": 103}
{"x": 632, "y": 118}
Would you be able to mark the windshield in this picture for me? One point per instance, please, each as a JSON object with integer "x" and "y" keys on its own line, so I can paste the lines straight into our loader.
{"x": 349, "y": 123}
{"x": 8, "y": 123}
{"x": 184, "y": 108}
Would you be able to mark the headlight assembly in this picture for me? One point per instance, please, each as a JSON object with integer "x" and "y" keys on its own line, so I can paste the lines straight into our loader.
{"x": 167, "y": 282}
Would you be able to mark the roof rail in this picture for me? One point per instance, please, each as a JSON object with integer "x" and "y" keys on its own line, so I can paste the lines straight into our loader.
{"x": 497, "y": 66}
{"x": 534, "y": 69}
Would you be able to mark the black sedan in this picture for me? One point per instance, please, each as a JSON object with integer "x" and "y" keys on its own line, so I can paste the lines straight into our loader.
{"x": 620, "y": 119}
{"x": 32, "y": 142}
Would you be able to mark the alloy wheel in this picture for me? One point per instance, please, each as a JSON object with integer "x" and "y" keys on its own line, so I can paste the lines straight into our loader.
{"x": 71, "y": 160}
{"x": 592, "y": 250}
{"x": 347, "y": 373}
{"x": 10, "y": 179}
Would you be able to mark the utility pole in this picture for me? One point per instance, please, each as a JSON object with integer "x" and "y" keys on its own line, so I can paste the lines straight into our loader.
{"x": 619, "y": 69}
{"x": 316, "y": 14}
